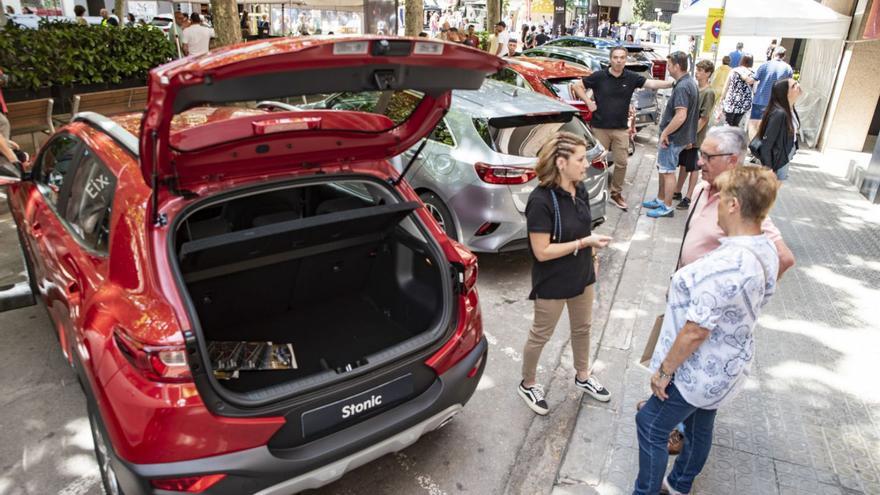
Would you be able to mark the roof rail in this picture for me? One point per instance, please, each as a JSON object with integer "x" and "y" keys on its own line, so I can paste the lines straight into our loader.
{"x": 111, "y": 128}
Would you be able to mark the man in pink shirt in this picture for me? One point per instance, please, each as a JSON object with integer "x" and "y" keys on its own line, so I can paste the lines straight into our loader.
{"x": 723, "y": 149}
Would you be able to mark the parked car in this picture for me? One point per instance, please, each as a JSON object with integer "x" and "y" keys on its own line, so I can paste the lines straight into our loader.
{"x": 256, "y": 301}
{"x": 644, "y": 100}
{"x": 546, "y": 76}
{"x": 638, "y": 51}
{"x": 476, "y": 170}
{"x": 582, "y": 42}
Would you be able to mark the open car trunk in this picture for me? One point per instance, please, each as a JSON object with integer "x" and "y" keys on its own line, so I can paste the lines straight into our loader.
{"x": 340, "y": 271}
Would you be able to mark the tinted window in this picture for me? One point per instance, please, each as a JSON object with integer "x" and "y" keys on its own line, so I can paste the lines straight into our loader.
{"x": 90, "y": 202}
{"x": 441, "y": 134}
{"x": 57, "y": 160}
{"x": 510, "y": 76}
{"x": 524, "y": 135}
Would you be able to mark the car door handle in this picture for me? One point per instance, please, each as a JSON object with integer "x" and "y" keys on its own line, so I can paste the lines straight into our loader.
{"x": 36, "y": 230}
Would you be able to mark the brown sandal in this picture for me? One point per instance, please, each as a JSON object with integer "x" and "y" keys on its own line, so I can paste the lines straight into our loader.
{"x": 676, "y": 439}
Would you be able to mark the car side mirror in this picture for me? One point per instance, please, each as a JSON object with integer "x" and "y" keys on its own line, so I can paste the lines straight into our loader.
{"x": 11, "y": 173}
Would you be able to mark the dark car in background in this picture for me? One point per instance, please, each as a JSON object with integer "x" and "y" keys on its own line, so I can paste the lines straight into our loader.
{"x": 644, "y": 100}
{"x": 636, "y": 50}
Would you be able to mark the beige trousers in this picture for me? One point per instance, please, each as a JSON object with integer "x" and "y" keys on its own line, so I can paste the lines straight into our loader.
{"x": 547, "y": 313}
{"x": 616, "y": 142}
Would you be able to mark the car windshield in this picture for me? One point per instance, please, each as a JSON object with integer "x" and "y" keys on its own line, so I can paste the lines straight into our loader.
{"x": 523, "y": 135}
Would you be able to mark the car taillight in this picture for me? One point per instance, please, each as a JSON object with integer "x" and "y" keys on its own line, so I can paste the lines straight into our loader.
{"x": 470, "y": 324}
{"x": 503, "y": 174}
{"x": 190, "y": 484}
{"x": 158, "y": 363}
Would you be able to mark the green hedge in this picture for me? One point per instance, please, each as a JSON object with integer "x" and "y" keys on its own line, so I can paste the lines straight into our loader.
{"x": 68, "y": 54}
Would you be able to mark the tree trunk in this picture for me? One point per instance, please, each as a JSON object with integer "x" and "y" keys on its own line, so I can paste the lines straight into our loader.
{"x": 227, "y": 25}
{"x": 414, "y": 18}
{"x": 119, "y": 7}
{"x": 493, "y": 14}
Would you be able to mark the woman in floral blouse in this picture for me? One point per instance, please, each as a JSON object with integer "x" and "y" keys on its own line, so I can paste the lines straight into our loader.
{"x": 736, "y": 99}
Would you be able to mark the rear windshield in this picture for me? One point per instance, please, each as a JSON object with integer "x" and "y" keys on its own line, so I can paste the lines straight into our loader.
{"x": 524, "y": 135}
{"x": 384, "y": 110}
{"x": 561, "y": 88}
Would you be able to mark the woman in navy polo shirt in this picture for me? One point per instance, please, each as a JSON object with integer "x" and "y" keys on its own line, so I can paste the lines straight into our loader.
{"x": 563, "y": 272}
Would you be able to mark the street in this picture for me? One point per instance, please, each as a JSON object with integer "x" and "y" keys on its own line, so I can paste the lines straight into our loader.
{"x": 807, "y": 423}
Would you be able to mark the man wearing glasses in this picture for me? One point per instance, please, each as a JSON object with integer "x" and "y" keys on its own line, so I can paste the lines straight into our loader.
{"x": 723, "y": 149}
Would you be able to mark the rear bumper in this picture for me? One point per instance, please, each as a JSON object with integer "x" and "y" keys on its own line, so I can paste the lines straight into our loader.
{"x": 268, "y": 472}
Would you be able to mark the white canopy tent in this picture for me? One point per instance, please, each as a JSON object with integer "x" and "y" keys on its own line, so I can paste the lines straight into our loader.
{"x": 779, "y": 18}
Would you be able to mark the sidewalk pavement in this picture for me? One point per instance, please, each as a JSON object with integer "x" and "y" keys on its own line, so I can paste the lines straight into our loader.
{"x": 808, "y": 420}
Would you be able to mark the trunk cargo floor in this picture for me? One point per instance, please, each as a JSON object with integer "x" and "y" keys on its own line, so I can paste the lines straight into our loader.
{"x": 340, "y": 331}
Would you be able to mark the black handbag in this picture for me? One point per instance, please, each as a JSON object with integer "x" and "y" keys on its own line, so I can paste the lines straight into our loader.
{"x": 755, "y": 146}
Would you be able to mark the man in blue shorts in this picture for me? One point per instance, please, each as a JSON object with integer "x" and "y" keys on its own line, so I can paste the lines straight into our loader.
{"x": 678, "y": 131}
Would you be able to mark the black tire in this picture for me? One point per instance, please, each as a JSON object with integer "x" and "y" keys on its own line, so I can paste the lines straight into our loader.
{"x": 441, "y": 213}
{"x": 103, "y": 454}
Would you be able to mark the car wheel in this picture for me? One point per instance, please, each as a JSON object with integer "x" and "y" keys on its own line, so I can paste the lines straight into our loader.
{"x": 103, "y": 455}
{"x": 440, "y": 212}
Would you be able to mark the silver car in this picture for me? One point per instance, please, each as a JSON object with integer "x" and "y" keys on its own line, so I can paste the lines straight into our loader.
{"x": 477, "y": 168}
{"x": 476, "y": 171}
{"x": 644, "y": 100}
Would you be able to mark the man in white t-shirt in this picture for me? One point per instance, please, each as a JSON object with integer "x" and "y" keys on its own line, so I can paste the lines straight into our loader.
{"x": 498, "y": 43}
{"x": 196, "y": 38}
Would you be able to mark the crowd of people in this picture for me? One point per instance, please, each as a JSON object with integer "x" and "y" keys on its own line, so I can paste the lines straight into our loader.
{"x": 730, "y": 258}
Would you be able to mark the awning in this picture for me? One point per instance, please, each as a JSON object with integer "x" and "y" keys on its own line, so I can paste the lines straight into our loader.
{"x": 777, "y": 18}
{"x": 610, "y": 3}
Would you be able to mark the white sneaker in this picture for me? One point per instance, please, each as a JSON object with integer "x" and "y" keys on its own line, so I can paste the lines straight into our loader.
{"x": 666, "y": 489}
{"x": 534, "y": 397}
{"x": 593, "y": 388}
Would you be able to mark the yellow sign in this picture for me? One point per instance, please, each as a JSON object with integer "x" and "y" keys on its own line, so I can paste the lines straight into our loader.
{"x": 713, "y": 29}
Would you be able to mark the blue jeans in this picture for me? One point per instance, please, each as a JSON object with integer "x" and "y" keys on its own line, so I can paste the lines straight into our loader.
{"x": 667, "y": 158}
{"x": 782, "y": 173}
{"x": 653, "y": 424}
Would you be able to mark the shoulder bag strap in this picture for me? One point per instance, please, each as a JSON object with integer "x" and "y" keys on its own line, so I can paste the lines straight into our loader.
{"x": 687, "y": 227}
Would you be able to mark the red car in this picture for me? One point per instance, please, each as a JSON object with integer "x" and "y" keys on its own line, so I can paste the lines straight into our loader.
{"x": 547, "y": 76}
{"x": 256, "y": 302}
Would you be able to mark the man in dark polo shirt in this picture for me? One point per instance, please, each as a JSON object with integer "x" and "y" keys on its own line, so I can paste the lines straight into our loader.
{"x": 613, "y": 89}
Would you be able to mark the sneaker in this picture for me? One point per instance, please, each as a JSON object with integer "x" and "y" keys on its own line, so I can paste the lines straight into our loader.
{"x": 662, "y": 211}
{"x": 684, "y": 204}
{"x": 666, "y": 489}
{"x": 617, "y": 200}
{"x": 534, "y": 397}
{"x": 676, "y": 196}
{"x": 593, "y": 388}
{"x": 654, "y": 203}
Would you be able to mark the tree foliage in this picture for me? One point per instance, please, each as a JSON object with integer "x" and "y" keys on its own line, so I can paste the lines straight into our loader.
{"x": 643, "y": 10}
{"x": 63, "y": 53}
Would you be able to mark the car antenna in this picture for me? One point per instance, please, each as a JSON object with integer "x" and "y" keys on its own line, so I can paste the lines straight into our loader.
{"x": 396, "y": 182}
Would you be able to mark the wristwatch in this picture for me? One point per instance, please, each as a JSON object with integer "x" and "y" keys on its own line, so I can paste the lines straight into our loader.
{"x": 662, "y": 373}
